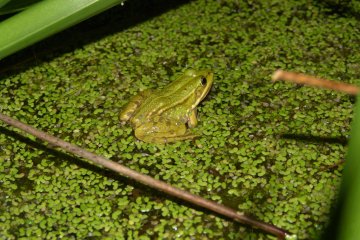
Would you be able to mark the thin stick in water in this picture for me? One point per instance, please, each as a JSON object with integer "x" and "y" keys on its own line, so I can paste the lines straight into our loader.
{"x": 313, "y": 81}
{"x": 147, "y": 180}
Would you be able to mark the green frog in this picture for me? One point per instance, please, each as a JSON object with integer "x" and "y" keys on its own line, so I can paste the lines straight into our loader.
{"x": 165, "y": 115}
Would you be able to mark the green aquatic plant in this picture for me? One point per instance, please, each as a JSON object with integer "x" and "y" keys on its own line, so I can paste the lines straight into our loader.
{"x": 44, "y": 19}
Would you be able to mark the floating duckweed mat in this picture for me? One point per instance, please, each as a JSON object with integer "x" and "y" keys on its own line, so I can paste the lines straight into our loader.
{"x": 272, "y": 150}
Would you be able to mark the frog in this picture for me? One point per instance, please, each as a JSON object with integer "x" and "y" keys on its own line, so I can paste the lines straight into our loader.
{"x": 167, "y": 115}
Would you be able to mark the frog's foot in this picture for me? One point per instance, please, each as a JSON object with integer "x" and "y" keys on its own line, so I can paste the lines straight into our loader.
{"x": 176, "y": 138}
{"x": 163, "y": 132}
{"x": 168, "y": 139}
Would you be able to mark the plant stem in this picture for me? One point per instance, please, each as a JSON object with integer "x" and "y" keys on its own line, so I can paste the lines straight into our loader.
{"x": 147, "y": 180}
{"x": 313, "y": 81}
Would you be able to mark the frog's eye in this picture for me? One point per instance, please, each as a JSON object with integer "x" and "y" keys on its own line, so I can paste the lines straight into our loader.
{"x": 203, "y": 81}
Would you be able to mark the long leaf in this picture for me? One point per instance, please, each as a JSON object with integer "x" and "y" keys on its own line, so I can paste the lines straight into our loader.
{"x": 44, "y": 19}
{"x": 349, "y": 225}
{"x": 3, "y": 2}
{"x": 7, "y": 6}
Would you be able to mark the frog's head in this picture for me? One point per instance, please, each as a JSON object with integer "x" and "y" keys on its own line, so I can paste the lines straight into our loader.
{"x": 200, "y": 81}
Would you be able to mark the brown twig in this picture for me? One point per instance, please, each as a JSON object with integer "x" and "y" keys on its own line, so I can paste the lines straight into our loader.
{"x": 147, "y": 180}
{"x": 313, "y": 81}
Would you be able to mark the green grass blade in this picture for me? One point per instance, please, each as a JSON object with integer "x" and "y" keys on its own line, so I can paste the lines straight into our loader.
{"x": 350, "y": 188}
{"x": 44, "y": 19}
{"x": 15, "y": 5}
{"x": 3, "y": 2}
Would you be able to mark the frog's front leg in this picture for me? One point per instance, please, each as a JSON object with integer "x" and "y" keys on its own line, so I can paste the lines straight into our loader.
{"x": 192, "y": 122}
{"x": 162, "y": 131}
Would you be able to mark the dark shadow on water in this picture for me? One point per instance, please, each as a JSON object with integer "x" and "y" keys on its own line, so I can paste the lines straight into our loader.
{"x": 315, "y": 139}
{"x": 342, "y": 8}
{"x": 116, "y": 19}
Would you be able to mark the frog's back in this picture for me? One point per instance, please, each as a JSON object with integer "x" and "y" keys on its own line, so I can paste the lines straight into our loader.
{"x": 155, "y": 104}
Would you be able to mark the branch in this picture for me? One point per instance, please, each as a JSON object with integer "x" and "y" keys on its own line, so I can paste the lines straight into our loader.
{"x": 313, "y": 81}
{"x": 147, "y": 180}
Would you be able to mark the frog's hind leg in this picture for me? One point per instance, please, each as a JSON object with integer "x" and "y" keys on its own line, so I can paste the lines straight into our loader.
{"x": 163, "y": 132}
{"x": 134, "y": 103}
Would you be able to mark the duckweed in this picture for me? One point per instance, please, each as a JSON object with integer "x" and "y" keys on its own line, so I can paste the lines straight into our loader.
{"x": 271, "y": 150}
